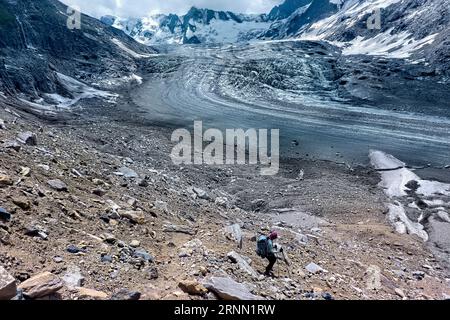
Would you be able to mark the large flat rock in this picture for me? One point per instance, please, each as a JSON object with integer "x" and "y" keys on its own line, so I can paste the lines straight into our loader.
{"x": 8, "y": 287}
{"x": 228, "y": 289}
{"x": 41, "y": 285}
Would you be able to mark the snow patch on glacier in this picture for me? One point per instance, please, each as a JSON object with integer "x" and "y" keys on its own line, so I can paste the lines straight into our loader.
{"x": 55, "y": 102}
{"x": 388, "y": 44}
{"x": 394, "y": 177}
{"x": 393, "y": 181}
{"x": 130, "y": 52}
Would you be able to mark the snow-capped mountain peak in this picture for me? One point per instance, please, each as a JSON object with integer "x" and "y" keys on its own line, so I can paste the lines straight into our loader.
{"x": 393, "y": 28}
{"x": 196, "y": 26}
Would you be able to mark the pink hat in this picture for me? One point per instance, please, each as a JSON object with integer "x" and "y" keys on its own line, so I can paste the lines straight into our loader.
{"x": 273, "y": 235}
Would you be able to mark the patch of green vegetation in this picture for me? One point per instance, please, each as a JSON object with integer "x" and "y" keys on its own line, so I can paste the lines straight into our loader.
{"x": 6, "y": 17}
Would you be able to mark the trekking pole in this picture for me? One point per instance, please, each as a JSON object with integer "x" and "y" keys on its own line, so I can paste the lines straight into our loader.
{"x": 288, "y": 263}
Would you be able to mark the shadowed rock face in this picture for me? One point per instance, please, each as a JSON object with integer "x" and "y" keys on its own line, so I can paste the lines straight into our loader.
{"x": 35, "y": 42}
{"x": 287, "y": 8}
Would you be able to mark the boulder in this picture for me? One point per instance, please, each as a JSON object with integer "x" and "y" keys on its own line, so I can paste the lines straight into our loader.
{"x": 99, "y": 192}
{"x": 201, "y": 194}
{"x": 234, "y": 232}
{"x": 91, "y": 294}
{"x": 192, "y": 287}
{"x": 126, "y": 172}
{"x": 144, "y": 255}
{"x": 41, "y": 285}
{"x": 221, "y": 202}
{"x": 400, "y": 293}
{"x": 58, "y": 259}
{"x": 135, "y": 244}
{"x": 242, "y": 263}
{"x": 178, "y": 229}
{"x": 108, "y": 238}
{"x": 258, "y": 204}
{"x": 12, "y": 144}
{"x": 314, "y": 268}
{"x": 57, "y": 185}
{"x": 74, "y": 249}
{"x": 36, "y": 231}
{"x": 373, "y": 278}
{"x": 143, "y": 183}
{"x": 4, "y": 215}
{"x": 134, "y": 216}
{"x": 301, "y": 239}
{"x": 2, "y": 125}
{"x": 5, "y": 181}
{"x": 8, "y": 287}
{"x": 106, "y": 258}
{"x": 25, "y": 171}
{"x": 151, "y": 293}
{"x": 126, "y": 295}
{"x": 22, "y": 203}
{"x": 73, "y": 278}
{"x": 28, "y": 138}
{"x": 152, "y": 273}
{"x": 419, "y": 275}
{"x": 228, "y": 289}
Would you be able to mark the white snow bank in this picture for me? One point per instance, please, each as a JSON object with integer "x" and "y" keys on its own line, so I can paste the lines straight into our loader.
{"x": 433, "y": 188}
{"x": 78, "y": 90}
{"x": 392, "y": 181}
{"x": 351, "y": 13}
{"x": 219, "y": 31}
{"x": 112, "y": 83}
{"x": 136, "y": 78}
{"x": 400, "y": 45}
{"x": 132, "y": 53}
{"x": 402, "y": 223}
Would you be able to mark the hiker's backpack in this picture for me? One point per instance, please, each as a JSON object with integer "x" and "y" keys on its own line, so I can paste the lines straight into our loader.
{"x": 261, "y": 247}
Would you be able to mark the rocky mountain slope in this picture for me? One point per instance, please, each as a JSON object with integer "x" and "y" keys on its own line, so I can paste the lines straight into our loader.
{"x": 94, "y": 209}
{"x": 286, "y": 9}
{"x": 47, "y": 65}
{"x": 416, "y": 29}
{"x": 307, "y": 13}
{"x": 412, "y": 28}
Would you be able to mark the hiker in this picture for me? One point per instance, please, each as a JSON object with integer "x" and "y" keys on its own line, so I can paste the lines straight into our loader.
{"x": 265, "y": 249}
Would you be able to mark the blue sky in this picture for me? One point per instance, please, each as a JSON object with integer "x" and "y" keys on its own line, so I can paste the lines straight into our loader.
{"x": 138, "y": 8}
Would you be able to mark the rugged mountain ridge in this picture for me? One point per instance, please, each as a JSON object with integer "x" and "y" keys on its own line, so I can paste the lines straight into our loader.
{"x": 415, "y": 29}
{"x": 196, "y": 26}
{"x": 40, "y": 56}
{"x": 287, "y": 8}
{"x": 411, "y": 28}
{"x": 308, "y": 12}
{"x": 209, "y": 26}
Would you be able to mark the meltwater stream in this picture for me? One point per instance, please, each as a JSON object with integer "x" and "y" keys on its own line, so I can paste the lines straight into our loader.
{"x": 331, "y": 109}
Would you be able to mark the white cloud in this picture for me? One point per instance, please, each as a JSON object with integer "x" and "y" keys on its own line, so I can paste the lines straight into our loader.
{"x": 138, "y": 8}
